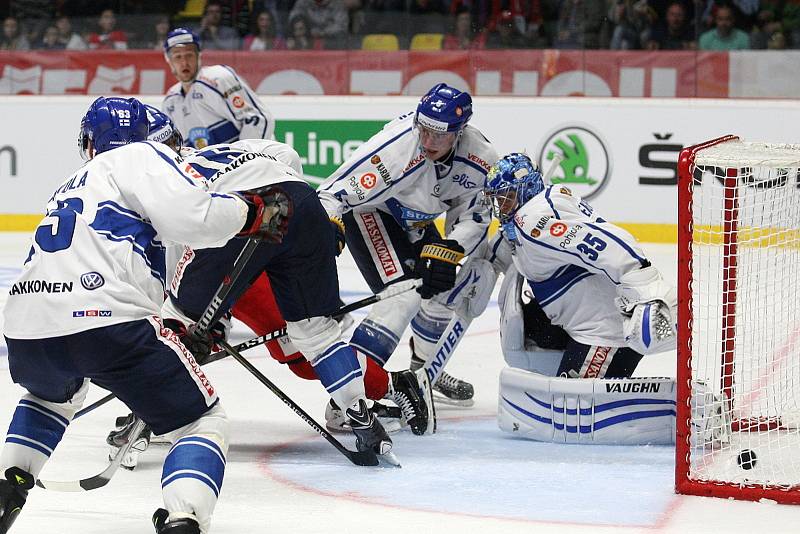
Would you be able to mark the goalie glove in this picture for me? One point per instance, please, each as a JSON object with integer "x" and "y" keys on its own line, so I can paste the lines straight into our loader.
{"x": 649, "y": 309}
{"x": 268, "y": 212}
{"x": 436, "y": 266}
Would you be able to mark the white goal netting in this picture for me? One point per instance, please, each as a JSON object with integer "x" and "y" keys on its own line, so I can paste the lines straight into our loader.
{"x": 745, "y": 304}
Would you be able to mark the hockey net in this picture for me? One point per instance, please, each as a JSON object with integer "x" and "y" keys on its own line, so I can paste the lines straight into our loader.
{"x": 738, "y": 428}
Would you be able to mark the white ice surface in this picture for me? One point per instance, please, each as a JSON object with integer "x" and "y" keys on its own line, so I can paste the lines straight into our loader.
{"x": 469, "y": 477}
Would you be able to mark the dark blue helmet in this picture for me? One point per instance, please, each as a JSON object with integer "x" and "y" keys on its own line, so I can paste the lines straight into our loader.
{"x": 162, "y": 129}
{"x": 510, "y": 183}
{"x": 111, "y": 122}
{"x": 180, "y": 37}
{"x": 444, "y": 109}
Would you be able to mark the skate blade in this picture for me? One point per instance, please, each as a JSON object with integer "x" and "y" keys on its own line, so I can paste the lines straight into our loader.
{"x": 442, "y": 399}
{"x": 390, "y": 425}
{"x": 388, "y": 460}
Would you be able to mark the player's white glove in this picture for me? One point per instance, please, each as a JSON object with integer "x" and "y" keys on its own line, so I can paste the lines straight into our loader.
{"x": 649, "y": 308}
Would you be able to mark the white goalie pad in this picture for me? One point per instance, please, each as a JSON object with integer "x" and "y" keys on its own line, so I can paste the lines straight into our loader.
{"x": 518, "y": 351}
{"x": 649, "y": 308}
{"x": 621, "y": 411}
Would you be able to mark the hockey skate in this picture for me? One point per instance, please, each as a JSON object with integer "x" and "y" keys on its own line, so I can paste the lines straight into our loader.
{"x": 414, "y": 400}
{"x": 13, "y": 494}
{"x": 370, "y": 434}
{"x": 447, "y": 389}
{"x": 119, "y": 437}
{"x": 391, "y": 417}
{"x": 182, "y": 525}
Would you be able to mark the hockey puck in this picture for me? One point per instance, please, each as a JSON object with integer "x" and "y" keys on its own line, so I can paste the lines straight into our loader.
{"x": 747, "y": 459}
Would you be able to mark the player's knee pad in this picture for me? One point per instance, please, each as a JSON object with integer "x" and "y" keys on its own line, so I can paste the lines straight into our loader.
{"x": 518, "y": 351}
{"x": 193, "y": 470}
{"x": 36, "y": 428}
{"x": 625, "y": 411}
{"x": 379, "y": 333}
{"x": 313, "y": 336}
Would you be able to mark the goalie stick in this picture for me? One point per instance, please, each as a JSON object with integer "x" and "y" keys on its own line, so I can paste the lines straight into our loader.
{"x": 389, "y": 292}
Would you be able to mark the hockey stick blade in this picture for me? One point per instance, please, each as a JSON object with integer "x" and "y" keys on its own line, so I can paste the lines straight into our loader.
{"x": 101, "y": 479}
{"x": 362, "y": 458}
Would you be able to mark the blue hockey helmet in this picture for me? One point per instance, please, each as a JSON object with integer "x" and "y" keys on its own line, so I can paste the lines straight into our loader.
{"x": 162, "y": 129}
{"x": 112, "y": 122}
{"x": 510, "y": 183}
{"x": 181, "y": 37}
{"x": 444, "y": 109}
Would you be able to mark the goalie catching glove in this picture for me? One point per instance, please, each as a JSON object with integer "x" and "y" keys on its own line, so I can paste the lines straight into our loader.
{"x": 649, "y": 308}
{"x": 268, "y": 212}
{"x": 436, "y": 266}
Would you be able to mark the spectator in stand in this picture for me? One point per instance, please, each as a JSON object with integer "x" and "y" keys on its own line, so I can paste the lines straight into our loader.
{"x": 263, "y": 36}
{"x": 108, "y": 38}
{"x": 777, "y": 41}
{"x": 159, "y": 35}
{"x": 579, "y": 24}
{"x": 70, "y": 39}
{"x": 427, "y": 16}
{"x": 506, "y": 34}
{"x": 300, "y": 37}
{"x": 632, "y": 24}
{"x": 673, "y": 34}
{"x": 13, "y": 38}
{"x": 724, "y": 36}
{"x": 33, "y": 16}
{"x": 327, "y": 19}
{"x": 50, "y": 40}
{"x": 212, "y": 33}
{"x": 464, "y": 36}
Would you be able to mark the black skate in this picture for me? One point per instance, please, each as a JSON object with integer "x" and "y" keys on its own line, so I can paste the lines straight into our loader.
{"x": 414, "y": 400}
{"x": 448, "y": 389}
{"x": 370, "y": 434}
{"x": 391, "y": 417}
{"x": 183, "y": 525}
{"x": 119, "y": 437}
{"x": 13, "y": 494}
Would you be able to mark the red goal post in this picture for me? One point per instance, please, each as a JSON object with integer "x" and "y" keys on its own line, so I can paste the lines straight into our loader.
{"x": 738, "y": 417}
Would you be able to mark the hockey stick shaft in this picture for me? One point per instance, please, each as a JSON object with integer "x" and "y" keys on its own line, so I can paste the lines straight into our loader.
{"x": 366, "y": 458}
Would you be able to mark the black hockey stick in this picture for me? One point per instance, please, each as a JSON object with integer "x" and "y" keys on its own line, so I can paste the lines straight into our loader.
{"x": 364, "y": 458}
{"x": 101, "y": 479}
{"x": 391, "y": 291}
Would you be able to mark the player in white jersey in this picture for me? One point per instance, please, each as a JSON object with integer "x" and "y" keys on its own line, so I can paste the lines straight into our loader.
{"x": 384, "y": 199}
{"x": 210, "y": 105}
{"x": 86, "y": 307}
{"x": 596, "y": 306}
{"x": 302, "y": 278}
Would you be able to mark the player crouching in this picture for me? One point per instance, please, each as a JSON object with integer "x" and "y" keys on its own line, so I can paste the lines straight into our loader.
{"x": 596, "y": 305}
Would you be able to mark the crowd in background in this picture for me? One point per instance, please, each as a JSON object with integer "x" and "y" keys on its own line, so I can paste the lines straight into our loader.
{"x": 402, "y": 24}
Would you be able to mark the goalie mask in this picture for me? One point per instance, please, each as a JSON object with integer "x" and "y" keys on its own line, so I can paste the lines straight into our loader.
{"x": 112, "y": 122}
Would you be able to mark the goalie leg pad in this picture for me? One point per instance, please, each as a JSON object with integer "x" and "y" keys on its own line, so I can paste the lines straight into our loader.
{"x": 628, "y": 411}
{"x": 191, "y": 478}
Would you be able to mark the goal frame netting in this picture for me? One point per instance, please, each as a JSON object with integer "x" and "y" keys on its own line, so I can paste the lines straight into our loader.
{"x": 685, "y": 483}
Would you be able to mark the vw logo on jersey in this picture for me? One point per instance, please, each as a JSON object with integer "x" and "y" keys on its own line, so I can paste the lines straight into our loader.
{"x": 585, "y": 159}
{"x": 92, "y": 280}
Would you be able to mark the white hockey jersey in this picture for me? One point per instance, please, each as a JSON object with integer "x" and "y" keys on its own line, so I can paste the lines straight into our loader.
{"x": 219, "y": 108}
{"x": 98, "y": 257}
{"x": 573, "y": 260}
{"x": 391, "y": 173}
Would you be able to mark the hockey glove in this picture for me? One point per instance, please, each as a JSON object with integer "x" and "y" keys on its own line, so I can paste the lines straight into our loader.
{"x": 268, "y": 212}
{"x": 436, "y": 267}
{"x": 201, "y": 346}
{"x": 338, "y": 227}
